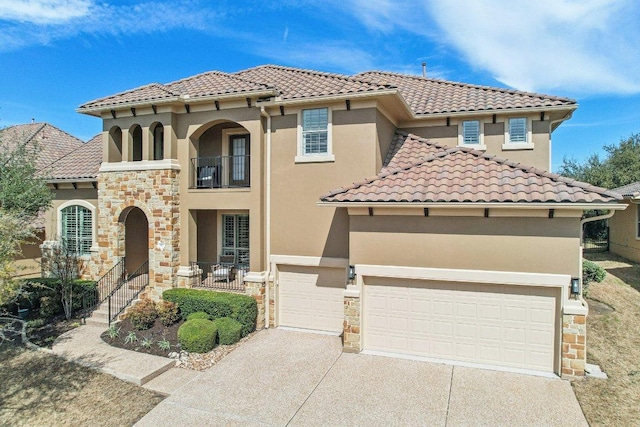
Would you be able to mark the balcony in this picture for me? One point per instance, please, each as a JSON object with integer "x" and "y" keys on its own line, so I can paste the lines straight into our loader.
{"x": 220, "y": 172}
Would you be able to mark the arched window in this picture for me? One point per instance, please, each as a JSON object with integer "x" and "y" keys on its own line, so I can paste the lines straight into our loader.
{"x": 76, "y": 228}
{"x": 158, "y": 142}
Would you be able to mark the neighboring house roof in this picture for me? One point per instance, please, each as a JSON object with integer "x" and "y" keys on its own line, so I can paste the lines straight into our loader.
{"x": 430, "y": 96}
{"x": 463, "y": 175}
{"x": 81, "y": 164}
{"x": 296, "y": 83}
{"x": 50, "y": 142}
{"x": 630, "y": 190}
{"x": 213, "y": 83}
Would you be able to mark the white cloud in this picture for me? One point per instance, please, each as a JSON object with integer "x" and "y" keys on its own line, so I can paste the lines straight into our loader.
{"x": 43, "y": 11}
{"x": 569, "y": 46}
{"x": 58, "y": 19}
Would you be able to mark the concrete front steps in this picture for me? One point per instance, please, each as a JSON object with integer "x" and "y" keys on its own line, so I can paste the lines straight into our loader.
{"x": 100, "y": 316}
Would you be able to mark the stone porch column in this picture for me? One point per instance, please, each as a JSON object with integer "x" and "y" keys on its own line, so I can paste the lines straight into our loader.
{"x": 254, "y": 284}
{"x": 574, "y": 339}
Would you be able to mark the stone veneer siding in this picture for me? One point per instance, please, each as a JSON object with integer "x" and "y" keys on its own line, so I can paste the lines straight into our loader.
{"x": 257, "y": 290}
{"x": 574, "y": 341}
{"x": 156, "y": 193}
{"x": 351, "y": 325}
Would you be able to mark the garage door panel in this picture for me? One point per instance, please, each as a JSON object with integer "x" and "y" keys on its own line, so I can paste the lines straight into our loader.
{"x": 311, "y": 297}
{"x": 481, "y": 323}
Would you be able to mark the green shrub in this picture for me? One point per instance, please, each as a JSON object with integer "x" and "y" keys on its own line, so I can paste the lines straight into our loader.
{"x": 50, "y": 306}
{"x": 198, "y": 315}
{"x": 242, "y": 308}
{"x": 143, "y": 315}
{"x": 591, "y": 272}
{"x": 198, "y": 335}
{"x": 229, "y": 330}
{"x": 167, "y": 312}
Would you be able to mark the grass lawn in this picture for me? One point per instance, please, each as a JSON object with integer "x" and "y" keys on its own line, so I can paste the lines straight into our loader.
{"x": 613, "y": 342}
{"x": 41, "y": 389}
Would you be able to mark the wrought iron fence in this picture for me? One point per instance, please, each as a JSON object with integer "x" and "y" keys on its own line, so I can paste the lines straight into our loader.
{"x": 221, "y": 275}
{"x": 595, "y": 239}
{"x": 220, "y": 172}
{"x": 128, "y": 291}
{"x": 105, "y": 286}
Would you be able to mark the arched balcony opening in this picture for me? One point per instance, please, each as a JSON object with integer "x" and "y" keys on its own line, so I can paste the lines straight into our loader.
{"x": 135, "y": 135}
{"x": 220, "y": 156}
{"x": 157, "y": 135}
{"x": 114, "y": 145}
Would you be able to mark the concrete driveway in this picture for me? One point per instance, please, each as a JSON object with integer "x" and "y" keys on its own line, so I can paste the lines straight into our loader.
{"x": 280, "y": 378}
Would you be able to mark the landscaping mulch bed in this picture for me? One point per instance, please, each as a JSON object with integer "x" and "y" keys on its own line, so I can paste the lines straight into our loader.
{"x": 44, "y": 335}
{"x": 185, "y": 360}
{"x": 154, "y": 335}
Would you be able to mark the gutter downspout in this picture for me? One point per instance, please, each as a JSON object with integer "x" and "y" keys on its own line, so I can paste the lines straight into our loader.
{"x": 593, "y": 218}
{"x": 267, "y": 308}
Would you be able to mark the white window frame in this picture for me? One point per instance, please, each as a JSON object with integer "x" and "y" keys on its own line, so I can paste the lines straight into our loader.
{"x": 92, "y": 209}
{"x": 301, "y": 157}
{"x": 527, "y": 145}
{"x": 220, "y": 228}
{"x": 480, "y": 145}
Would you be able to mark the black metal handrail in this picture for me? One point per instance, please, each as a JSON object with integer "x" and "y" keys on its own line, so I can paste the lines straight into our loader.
{"x": 105, "y": 286}
{"x": 121, "y": 297}
{"x": 220, "y": 172}
{"x": 218, "y": 275}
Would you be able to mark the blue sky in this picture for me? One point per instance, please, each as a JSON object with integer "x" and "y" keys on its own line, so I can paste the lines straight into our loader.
{"x": 58, "y": 54}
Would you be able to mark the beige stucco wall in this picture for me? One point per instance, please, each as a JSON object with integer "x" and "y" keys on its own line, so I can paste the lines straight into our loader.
{"x": 536, "y": 245}
{"x": 85, "y": 192}
{"x": 622, "y": 233}
{"x": 494, "y": 138}
{"x": 299, "y": 226}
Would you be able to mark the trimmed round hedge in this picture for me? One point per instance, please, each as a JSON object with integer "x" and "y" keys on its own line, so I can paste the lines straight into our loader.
{"x": 198, "y": 335}
{"x": 242, "y": 308}
{"x": 199, "y": 315}
{"x": 229, "y": 330}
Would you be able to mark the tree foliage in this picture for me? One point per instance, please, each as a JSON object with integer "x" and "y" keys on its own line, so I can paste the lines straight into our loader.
{"x": 23, "y": 195}
{"x": 620, "y": 166}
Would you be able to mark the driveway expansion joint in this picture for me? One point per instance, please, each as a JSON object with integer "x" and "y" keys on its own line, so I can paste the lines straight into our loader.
{"x": 314, "y": 389}
{"x": 446, "y": 420}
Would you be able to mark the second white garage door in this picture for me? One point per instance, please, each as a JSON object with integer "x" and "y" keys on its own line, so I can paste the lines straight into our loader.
{"x": 311, "y": 297}
{"x": 511, "y": 326}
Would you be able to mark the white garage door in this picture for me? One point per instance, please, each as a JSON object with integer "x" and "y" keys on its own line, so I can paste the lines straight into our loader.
{"x": 311, "y": 297}
{"x": 502, "y": 325}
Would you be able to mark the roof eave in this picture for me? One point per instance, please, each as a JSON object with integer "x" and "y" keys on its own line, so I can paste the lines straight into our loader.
{"x": 569, "y": 107}
{"x": 68, "y": 180}
{"x": 614, "y": 205}
{"x": 95, "y": 111}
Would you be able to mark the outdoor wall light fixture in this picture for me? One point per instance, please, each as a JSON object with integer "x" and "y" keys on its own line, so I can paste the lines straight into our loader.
{"x": 352, "y": 272}
{"x": 575, "y": 286}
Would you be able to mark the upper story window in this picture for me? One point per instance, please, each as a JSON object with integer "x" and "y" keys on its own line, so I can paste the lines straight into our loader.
{"x": 471, "y": 132}
{"x": 314, "y": 136}
{"x": 518, "y": 134}
{"x": 76, "y": 228}
{"x": 518, "y": 130}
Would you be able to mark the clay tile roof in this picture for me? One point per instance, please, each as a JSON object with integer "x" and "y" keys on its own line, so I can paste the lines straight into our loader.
{"x": 49, "y": 142}
{"x": 206, "y": 84}
{"x": 629, "y": 190}
{"x": 83, "y": 163}
{"x": 429, "y": 96}
{"x": 463, "y": 175}
{"x": 296, "y": 83}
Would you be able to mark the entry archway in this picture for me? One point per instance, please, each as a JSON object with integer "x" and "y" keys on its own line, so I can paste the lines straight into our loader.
{"x": 136, "y": 238}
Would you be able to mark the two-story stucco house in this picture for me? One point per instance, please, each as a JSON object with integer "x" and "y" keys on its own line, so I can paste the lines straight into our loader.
{"x": 379, "y": 206}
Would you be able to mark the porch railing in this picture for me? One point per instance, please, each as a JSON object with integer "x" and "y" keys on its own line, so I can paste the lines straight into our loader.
{"x": 128, "y": 291}
{"x": 105, "y": 286}
{"x": 222, "y": 276}
{"x": 220, "y": 172}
